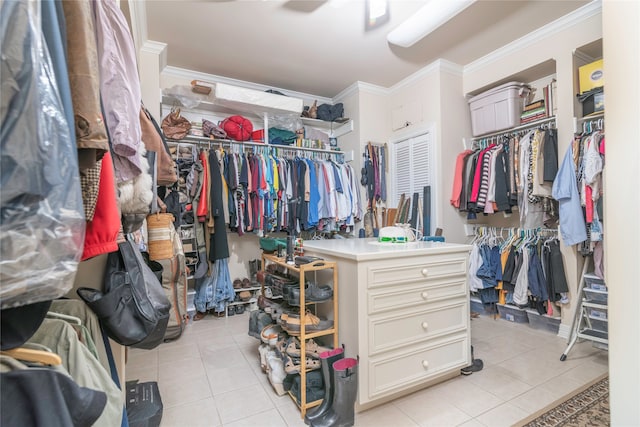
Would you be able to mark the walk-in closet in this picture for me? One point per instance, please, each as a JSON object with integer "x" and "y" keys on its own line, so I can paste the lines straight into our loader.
{"x": 330, "y": 214}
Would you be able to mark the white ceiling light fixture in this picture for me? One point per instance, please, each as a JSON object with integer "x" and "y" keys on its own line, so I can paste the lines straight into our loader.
{"x": 426, "y": 20}
{"x": 376, "y": 13}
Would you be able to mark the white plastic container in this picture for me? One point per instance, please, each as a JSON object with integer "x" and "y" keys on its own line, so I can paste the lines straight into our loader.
{"x": 498, "y": 108}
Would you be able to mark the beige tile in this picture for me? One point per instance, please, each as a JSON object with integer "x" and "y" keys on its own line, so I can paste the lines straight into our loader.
{"x": 242, "y": 403}
{"x": 291, "y": 414}
{"x": 472, "y": 423}
{"x": 141, "y": 374}
{"x": 201, "y": 413}
{"x": 270, "y": 418}
{"x": 544, "y": 395}
{"x": 497, "y": 381}
{"x": 585, "y": 372}
{"x": 467, "y": 396}
{"x": 427, "y": 408}
{"x": 185, "y": 369}
{"x": 244, "y": 339}
{"x": 175, "y": 353}
{"x": 502, "y": 416}
{"x": 213, "y": 340}
{"x": 384, "y": 416}
{"x": 225, "y": 358}
{"x": 180, "y": 392}
{"x": 502, "y": 348}
{"x": 226, "y": 380}
{"x": 142, "y": 359}
{"x": 278, "y": 401}
{"x": 537, "y": 366}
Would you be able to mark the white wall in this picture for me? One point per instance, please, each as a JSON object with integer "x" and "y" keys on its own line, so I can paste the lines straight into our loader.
{"x": 455, "y": 125}
{"x": 621, "y": 21}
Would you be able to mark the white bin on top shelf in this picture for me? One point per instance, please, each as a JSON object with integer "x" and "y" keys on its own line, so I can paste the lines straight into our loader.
{"x": 498, "y": 108}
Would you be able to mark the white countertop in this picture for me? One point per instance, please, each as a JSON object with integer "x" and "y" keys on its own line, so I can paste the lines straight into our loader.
{"x": 370, "y": 249}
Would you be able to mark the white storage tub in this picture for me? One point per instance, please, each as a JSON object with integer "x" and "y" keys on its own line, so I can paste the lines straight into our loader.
{"x": 498, "y": 108}
{"x": 255, "y": 101}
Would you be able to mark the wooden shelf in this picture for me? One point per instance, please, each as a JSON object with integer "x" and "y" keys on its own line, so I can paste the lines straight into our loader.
{"x": 303, "y": 335}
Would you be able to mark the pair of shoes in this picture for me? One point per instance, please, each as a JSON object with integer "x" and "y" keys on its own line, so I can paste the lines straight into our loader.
{"x": 237, "y": 284}
{"x": 240, "y": 308}
{"x": 244, "y": 295}
{"x": 269, "y": 334}
{"x": 293, "y": 365}
{"x": 311, "y": 348}
{"x": 291, "y": 323}
{"x": 199, "y": 316}
{"x": 231, "y": 310}
{"x": 246, "y": 283}
{"x": 312, "y": 293}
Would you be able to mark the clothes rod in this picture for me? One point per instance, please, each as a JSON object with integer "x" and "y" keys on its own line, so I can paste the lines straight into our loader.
{"x": 201, "y": 140}
{"x": 517, "y": 128}
{"x": 596, "y": 119}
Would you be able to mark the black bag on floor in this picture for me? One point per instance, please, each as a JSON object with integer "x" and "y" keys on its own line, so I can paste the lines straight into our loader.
{"x": 144, "y": 405}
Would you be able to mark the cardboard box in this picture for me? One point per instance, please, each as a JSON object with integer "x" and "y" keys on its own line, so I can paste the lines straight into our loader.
{"x": 591, "y": 76}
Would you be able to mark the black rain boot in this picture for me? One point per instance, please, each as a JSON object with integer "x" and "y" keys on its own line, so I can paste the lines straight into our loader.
{"x": 342, "y": 412}
{"x": 327, "y": 359}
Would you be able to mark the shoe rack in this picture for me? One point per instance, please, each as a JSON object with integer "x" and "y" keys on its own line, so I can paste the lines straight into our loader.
{"x": 301, "y": 272}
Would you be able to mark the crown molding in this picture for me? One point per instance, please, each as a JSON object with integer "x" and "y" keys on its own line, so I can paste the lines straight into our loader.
{"x": 156, "y": 48}
{"x": 183, "y": 73}
{"x": 583, "y": 56}
{"x": 561, "y": 24}
{"x": 441, "y": 65}
{"x": 358, "y": 87}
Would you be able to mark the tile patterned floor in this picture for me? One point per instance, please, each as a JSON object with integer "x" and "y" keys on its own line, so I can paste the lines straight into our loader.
{"x": 211, "y": 377}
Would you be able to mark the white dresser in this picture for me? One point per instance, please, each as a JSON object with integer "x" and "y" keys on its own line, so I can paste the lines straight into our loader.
{"x": 404, "y": 310}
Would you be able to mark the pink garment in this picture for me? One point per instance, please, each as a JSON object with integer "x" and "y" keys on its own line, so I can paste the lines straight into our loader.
{"x": 457, "y": 178}
{"x": 477, "y": 178}
{"x": 119, "y": 87}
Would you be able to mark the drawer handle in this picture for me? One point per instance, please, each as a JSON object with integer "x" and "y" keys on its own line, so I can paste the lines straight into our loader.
{"x": 425, "y": 364}
{"x": 425, "y": 271}
{"x": 425, "y": 325}
{"x": 424, "y": 295}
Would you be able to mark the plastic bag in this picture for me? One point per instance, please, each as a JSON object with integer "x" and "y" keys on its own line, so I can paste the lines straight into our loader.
{"x": 42, "y": 221}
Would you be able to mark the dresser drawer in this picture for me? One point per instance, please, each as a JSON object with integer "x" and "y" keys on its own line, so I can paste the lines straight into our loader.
{"x": 415, "y": 295}
{"x": 397, "y": 330}
{"x": 412, "y": 270}
{"x": 398, "y": 372}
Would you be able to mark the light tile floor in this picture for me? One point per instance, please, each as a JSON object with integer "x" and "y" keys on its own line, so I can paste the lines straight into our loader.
{"x": 211, "y": 377}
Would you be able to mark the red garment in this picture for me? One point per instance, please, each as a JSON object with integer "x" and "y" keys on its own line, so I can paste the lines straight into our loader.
{"x": 588, "y": 208}
{"x": 102, "y": 232}
{"x": 457, "y": 178}
{"x": 477, "y": 178}
{"x": 203, "y": 203}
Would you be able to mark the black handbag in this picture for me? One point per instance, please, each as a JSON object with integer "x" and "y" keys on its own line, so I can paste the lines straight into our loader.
{"x": 133, "y": 308}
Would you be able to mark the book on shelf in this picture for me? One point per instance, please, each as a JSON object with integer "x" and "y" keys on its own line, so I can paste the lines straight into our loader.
{"x": 533, "y": 118}
{"x": 533, "y": 106}
{"x": 535, "y": 112}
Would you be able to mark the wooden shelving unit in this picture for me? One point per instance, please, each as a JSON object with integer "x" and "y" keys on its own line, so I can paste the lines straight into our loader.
{"x": 301, "y": 271}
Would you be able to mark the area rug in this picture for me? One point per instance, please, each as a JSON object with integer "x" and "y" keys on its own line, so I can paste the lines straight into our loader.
{"x": 588, "y": 408}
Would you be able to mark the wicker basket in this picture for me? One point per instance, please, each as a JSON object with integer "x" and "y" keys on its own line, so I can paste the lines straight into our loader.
{"x": 160, "y": 229}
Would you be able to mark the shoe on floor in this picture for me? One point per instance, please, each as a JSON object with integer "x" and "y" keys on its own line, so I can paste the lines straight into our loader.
{"x": 475, "y": 366}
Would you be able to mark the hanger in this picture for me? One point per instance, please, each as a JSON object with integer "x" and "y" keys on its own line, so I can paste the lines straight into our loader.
{"x": 34, "y": 356}
{"x": 66, "y": 317}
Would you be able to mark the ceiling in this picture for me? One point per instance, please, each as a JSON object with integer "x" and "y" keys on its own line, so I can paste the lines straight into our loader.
{"x": 321, "y": 47}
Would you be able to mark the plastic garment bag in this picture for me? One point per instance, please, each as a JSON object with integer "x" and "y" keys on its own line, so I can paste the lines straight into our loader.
{"x": 42, "y": 222}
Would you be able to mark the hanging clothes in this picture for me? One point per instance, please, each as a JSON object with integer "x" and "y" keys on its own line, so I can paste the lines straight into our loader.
{"x": 565, "y": 191}
{"x": 219, "y": 248}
